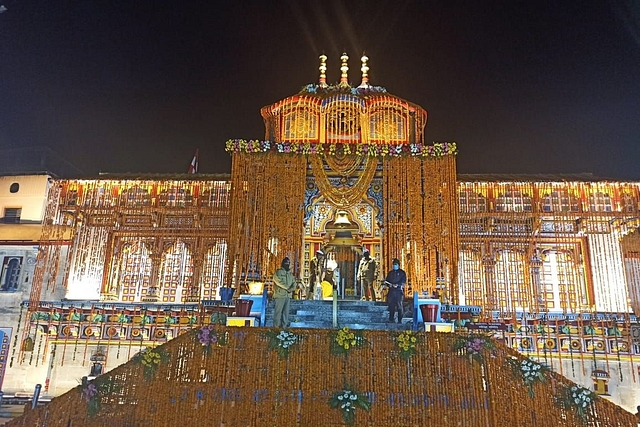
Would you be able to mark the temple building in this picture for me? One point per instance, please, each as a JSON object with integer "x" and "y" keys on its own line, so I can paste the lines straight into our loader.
{"x": 128, "y": 261}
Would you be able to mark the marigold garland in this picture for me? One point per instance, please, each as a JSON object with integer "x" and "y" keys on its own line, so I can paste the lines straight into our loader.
{"x": 258, "y": 391}
{"x": 438, "y": 149}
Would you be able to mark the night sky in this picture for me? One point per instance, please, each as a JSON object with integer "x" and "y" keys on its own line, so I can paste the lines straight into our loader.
{"x": 139, "y": 85}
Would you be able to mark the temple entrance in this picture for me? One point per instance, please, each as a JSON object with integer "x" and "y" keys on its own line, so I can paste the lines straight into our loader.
{"x": 343, "y": 245}
{"x": 342, "y": 264}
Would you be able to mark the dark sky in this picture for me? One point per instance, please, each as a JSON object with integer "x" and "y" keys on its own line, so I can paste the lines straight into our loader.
{"x": 139, "y": 85}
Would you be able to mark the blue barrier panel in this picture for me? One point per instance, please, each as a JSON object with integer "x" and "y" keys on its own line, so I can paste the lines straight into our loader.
{"x": 417, "y": 313}
{"x": 259, "y": 306}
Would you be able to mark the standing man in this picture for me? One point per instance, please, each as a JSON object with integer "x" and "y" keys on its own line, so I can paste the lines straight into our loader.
{"x": 367, "y": 270}
{"x": 316, "y": 273}
{"x": 395, "y": 280}
{"x": 284, "y": 283}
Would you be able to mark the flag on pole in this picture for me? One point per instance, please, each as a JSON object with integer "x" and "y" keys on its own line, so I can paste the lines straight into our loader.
{"x": 193, "y": 167}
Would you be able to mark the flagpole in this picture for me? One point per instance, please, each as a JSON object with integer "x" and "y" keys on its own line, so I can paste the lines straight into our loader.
{"x": 193, "y": 167}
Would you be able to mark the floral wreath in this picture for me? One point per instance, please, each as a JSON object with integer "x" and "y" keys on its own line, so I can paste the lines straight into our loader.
{"x": 282, "y": 342}
{"x": 93, "y": 391}
{"x": 529, "y": 371}
{"x": 473, "y": 345}
{"x": 344, "y": 340}
{"x": 347, "y": 401}
{"x": 576, "y": 398}
{"x": 407, "y": 344}
{"x": 207, "y": 337}
{"x": 150, "y": 359}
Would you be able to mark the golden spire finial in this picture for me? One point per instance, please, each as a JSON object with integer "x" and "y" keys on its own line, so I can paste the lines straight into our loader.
{"x": 344, "y": 79}
{"x": 365, "y": 72}
{"x": 323, "y": 70}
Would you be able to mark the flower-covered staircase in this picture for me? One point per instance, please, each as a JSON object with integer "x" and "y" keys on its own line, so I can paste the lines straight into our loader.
{"x": 226, "y": 376}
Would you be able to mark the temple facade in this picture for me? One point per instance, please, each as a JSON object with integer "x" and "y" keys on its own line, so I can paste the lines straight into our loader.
{"x": 548, "y": 263}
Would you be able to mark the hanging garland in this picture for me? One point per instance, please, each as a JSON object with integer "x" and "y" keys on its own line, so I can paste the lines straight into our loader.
{"x": 345, "y": 165}
{"x": 438, "y": 149}
{"x": 342, "y": 196}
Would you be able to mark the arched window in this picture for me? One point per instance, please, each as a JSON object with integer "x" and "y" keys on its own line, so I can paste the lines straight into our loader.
{"x": 600, "y": 202}
{"x": 388, "y": 126}
{"x": 562, "y": 287}
{"x": 559, "y": 201}
{"x": 213, "y": 270}
{"x": 470, "y": 278}
{"x": 513, "y": 201}
{"x": 176, "y": 272}
{"x": 472, "y": 202}
{"x": 11, "y": 273}
{"x": 135, "y": 196}
{"x": 512, "y": 292}
{"x": 300, "y": 125}
{"x": 135, "y": 276}
{"x": 629, "y": 204}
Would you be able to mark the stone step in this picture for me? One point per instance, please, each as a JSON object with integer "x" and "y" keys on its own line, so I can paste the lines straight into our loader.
{"x": 368, "y": 326}
{"x": 354, "y": 314}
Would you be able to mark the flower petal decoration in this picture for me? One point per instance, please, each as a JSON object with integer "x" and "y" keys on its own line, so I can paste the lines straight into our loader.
{"x": 473, "y": 346}
{"x": 347, "y": 401}
{"x": 282, "y": 342}
{"x": 438, "y": 149}
{"x": 345, "y": 339}
{"x": 529, "y": 371}
{"x": 407, "y": 343}
{"x": 576, "y": 398}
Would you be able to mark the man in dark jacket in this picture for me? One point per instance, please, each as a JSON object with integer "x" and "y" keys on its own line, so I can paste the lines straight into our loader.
{"x": 395, "y": 280}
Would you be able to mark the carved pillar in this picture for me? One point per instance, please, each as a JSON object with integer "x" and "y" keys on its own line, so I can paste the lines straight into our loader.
{"x": 535, "y": 265}
{"x": 489, "y": 264}
{"x": 193, "y": 293}
{"x": 153, "y": 295}
{"x": 109, "y": 290}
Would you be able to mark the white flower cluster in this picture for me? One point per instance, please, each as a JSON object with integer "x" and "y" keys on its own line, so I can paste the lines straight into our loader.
{"x": 531, "y": 371}
{"x": 286, "y": 339}
{"x": 347, "y": 398}
{"x": 581, "y": 396}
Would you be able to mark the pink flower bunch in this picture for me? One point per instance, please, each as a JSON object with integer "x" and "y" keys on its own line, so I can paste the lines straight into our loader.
{"x": 206, "y": 336}
{"x": 474, "y": 346}
{"x": 89, "y": 392}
